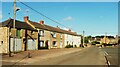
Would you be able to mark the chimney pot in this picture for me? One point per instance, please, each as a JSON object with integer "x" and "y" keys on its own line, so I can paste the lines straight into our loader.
{"x": 41, "y": 22}
{"x": 26, "y": 18}
{"x": 58, "y": 27}
{"x": 69, "y": 30}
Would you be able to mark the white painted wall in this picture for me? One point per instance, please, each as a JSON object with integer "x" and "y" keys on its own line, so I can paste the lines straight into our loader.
{"x": 72, "y": 40}
{"x": 76, "y": 41}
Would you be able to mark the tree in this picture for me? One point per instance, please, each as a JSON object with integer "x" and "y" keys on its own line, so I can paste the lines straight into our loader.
{"x": 85, "y": 40}
{"x": 89, "y": 37}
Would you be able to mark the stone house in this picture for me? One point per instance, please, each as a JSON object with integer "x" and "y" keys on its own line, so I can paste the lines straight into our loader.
{"x": 108, "y": 40}
{"x": 53, "y": 37}
{"x": 72, "y": 39}
{"x": 29, "y": 35}
{"x": 47, "y": 35}
{"x": 25, "y": 36}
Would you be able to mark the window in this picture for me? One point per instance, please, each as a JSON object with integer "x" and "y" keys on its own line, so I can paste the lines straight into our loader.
{"x": 18, "y": 33}
{"x": 41, "y": 43}
{"x": 1, "y": 43}
{"x": 53, "y": 34}
{"x": 60, "y": 35}
{"x": 32, "y": 32}
{"x": 67, "y": 35}
{"x": 41, "y": 32}
{"x": 54, "y": 43}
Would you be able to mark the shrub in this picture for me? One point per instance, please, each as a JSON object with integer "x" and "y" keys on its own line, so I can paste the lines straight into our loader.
{"x": 95, "y": 42}
{"x": 46, "y": 47}
{"x": 69, "y": 46}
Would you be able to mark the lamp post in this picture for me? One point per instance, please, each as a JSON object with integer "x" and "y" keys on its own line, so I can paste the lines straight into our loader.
{"x": 14, "y": 25}
{"x": 15, "y": 10}
{"x": 9, "y": 43}
{"x": 83, "y": 38}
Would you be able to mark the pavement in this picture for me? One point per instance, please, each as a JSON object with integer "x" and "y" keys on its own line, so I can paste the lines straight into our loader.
{"x": 21, "y": 58}
{"x": 67, "y": 56}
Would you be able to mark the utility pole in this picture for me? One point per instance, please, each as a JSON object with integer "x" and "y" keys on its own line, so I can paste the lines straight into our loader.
{"x": 117, "y": 38}
{"x": 14, "y": 25}
{"x": 83, "y": 38}
{"x": 105, "y": 37}
{"x": 9, "y": 35}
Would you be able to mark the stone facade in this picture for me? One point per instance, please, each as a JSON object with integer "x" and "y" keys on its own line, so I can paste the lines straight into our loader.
{"x": 20, "y": 35}
{"x": 33, "y": 36}
{"x": 4, "y": 39}
{"x": 108, "y": 40}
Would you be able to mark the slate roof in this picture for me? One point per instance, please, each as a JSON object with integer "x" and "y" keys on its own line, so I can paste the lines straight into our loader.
{"x": 18, "y": 24}
{"x": 50, "y": 28}
{"x": 24, "y": 25}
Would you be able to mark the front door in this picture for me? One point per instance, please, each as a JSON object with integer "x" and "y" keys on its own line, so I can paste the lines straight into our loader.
{"x": 46, "y": 44}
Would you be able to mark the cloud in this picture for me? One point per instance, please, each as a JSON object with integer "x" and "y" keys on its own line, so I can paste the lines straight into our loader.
{"x": 65, "y": 28}
{"x": 69, "y": 18}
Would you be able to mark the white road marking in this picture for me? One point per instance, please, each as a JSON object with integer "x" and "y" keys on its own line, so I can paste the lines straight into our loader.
{"x": 109, "y": 62}
{"x": 105, "y": 52}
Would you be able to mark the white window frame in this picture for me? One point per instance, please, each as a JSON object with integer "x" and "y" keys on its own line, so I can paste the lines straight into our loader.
{"x": 53, "y": 34}
{"x": 41, "y": 32}
{"x": 41, "y": 43}
{"x": 61, "y": 35}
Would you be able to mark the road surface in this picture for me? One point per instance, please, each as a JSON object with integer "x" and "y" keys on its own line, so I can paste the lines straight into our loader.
{"x": 112, "y": 54}
{"x": 88, "y": 56}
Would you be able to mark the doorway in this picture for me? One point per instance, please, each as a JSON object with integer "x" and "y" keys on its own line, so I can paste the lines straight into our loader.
{"x": 46, "y": 44}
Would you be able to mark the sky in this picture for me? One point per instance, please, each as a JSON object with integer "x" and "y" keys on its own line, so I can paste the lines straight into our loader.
{"x": 95, "y": 18}
{"x": 63, "y": 0}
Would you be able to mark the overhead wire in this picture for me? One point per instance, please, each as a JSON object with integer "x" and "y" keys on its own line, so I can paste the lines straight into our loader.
{"x": 43, "y": 15}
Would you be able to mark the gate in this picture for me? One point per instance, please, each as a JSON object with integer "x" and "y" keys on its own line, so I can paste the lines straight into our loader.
{"x": 18, "y": 44}
{"x": 31, "y": 44}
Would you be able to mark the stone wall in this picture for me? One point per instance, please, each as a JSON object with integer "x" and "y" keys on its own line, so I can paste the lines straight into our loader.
{"x": 4, "y": 41}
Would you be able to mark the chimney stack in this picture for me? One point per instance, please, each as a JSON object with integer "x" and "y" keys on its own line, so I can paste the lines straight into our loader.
{"x": 26, "y": 18}
{"x": 69, "y": 29}
{"x": 58, "y": 27}
{"x": 42, "y": 22}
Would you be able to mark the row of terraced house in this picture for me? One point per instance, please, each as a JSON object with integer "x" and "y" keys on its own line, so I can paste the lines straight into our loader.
{"x": 29, "y": 35}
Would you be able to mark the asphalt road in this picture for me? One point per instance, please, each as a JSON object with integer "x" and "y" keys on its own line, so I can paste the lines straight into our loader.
{"x": 88, "y": 56}
{"x": 112, "y": 54}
